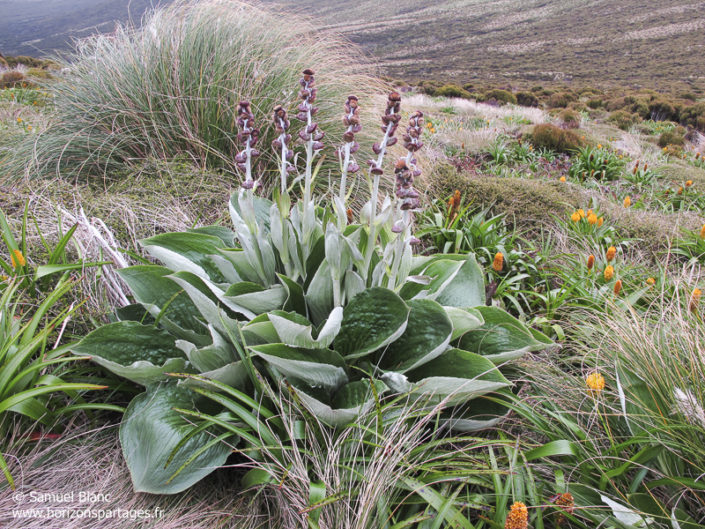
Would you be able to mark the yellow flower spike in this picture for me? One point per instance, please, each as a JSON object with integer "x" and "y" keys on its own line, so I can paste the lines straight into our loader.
{"x": 651, "y": 281}
{"x": 695, "y": 300}
{"x": 627, "y": 202}
{"x": 595, "y": 382}
{"x": 498, "y": 262}
{"x": 590, "y": 261}
{"x": 562, "y": 179}
{"x": 19, "y": 120}
{"x": 702, "y": 232}
{"x": 609, "y": 272}
{"x": 611, "y": 252}
{"x": 617, "y": 287}
{"x": 599, "y": 146}
{"x": 518, "y": 517}
{"x": 665, "y": 149}
{"x": 680, "y": 190}
{"x": 575, "y": 217}
{"x": 600, "y": 221}
{"x": 18, "y": 259}
{"x": 688, "y": 183}
{"x": 592, "y": 219}
{"x": 589, "y": 212}
{"x": 581, "y": 212}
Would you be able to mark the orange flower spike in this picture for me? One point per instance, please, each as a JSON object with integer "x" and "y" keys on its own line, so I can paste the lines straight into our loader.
{"x": 18, "y": 260}
{"x": 611, "y": 253}
{"x": 562, "y": 179}
{"x": 627, "y": 202}
{"x": 590, "y": 262}
{"x": 349, "y": 213}
{"x": 680, "y": 190}
{"x": 566, "y": 502}
{"x": 617, "y": 287}
{"x": 518, "y": 517}
{"x": 609, "y": 272}
{"x": 651, "y": 281}
{"x": 592, "y": 219}
{"x": 498, "y": 262}
{"x": 581, "y": 212}
{"x": 695, "y": 300}
{"x": 688, "y": 183}
{"x": 575, "y": 217}
{"x": 702, "y": 232}
{"x": 595, "y": 382}
{"x": 600, "y": 221}
{"x": 646, "y": 166}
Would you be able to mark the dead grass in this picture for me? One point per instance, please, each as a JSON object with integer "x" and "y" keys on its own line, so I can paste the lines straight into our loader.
{"x": 90, "y": 460}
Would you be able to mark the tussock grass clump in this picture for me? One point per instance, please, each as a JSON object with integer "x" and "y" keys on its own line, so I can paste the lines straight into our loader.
{"x": 547, "y": 136}
{"x": 11, "y": 78}
{"x": 171, "y": 89}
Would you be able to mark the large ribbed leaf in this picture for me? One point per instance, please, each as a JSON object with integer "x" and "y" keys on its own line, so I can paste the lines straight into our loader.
{"x": 316, "y": 367}
{"x": 319, "y": 295}
{"x": 141, "y": 353}
{"x": 253, "y": 299}
{"x": 427, "y": 335}
{"x": 372, "y": 319}
{"x": 502, "y": 337}
{"x": 458, "y": 375}
{"x": 151, "y": 430}
{"x": 219, "y": 353}
{"x": 352, "y": 400}
{"x": 466, "y": 288}
{"x": 464, "y": 320}
{"x": 200, "y": 292}
{"x": 161, "y": 296}
{"x": 296, "y": 331}
{"x": 172, "y": 248}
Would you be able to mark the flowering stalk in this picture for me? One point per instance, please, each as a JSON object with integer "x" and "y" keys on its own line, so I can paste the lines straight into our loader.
{"x": 352, "y": 120}
{"x": 281, "y": 124}
{"x": 310, "y": 135}
{"x": 407, "y": 197}
{"x": 390, "y": 122}
{"x": 248, "y": 136}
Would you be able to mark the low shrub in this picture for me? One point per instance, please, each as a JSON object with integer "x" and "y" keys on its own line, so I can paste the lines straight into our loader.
{"x": 452, "y": 90}
{"x": 560, "y": 100}
{"x": 595, "y": 103}
{"x": 694, "y": 115}
{"x": 675, "y": 137}
{"x": 623, "y": 119}
{"x": 570, "y": 118}
{"x": 547, "y": 136}
{"x": 527, "y": 99}
{"x": 11, "y": 79}
{"x": 660, "y": 110}
{"x": 501, "y": 96}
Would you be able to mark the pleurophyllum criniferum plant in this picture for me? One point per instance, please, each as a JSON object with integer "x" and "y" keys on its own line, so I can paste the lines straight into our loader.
{"x": 340, "y": 312}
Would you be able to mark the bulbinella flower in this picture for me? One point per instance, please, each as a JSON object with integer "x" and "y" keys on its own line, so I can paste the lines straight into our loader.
{"x": 651, "y": 281}
{"x": 695, "y": 300}
{"x": 627, "y": 202}
{"x": 562, "y": 179}
{"x": 611, "y": 252}
{"x": 595, "y": 382}
{"x": 592, "y": 219}
{"x": 600, "y": 221}
{"x": 688, "y": 183}
{"x": 18, "y": 259}
{"x": 518, "y": 517}
{"x": 609, "y": 272}
{"x": 617, "y": 287}
{"x": 498, "y": 262}
{"x": 575, "y": 217}
{"x": 590, "y": 262}
{"x": 702, "y": 232}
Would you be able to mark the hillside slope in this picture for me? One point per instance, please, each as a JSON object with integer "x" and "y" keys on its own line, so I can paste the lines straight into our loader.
{"x": 635, "y": 41}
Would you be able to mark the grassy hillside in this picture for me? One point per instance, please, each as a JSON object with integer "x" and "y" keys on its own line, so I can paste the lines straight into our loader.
{"x": 632, "y": 41}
